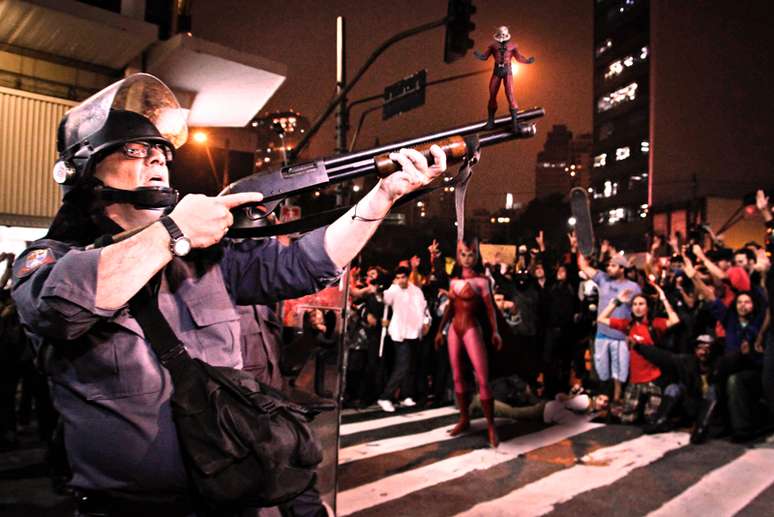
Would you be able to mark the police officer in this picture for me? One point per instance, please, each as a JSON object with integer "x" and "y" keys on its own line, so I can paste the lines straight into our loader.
{"x": 113, "y": 393}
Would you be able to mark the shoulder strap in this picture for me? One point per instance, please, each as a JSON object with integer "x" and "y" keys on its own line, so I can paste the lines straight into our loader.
{"x": 165, "y": 343}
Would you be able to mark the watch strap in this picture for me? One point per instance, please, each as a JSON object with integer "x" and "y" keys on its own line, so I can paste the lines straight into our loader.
{"x": 174, "y": 230}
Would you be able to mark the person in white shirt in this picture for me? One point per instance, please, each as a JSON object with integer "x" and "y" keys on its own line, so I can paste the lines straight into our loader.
{"x": 410, "y": 321}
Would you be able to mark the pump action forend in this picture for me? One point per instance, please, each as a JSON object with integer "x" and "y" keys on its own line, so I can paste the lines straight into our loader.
{"x": 457, "y": 143}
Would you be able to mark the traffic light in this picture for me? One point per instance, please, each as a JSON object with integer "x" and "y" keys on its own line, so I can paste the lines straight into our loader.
{"x": 458, "y": 27}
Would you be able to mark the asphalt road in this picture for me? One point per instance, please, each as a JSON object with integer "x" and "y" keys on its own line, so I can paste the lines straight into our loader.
{"x": 405, "y": 464}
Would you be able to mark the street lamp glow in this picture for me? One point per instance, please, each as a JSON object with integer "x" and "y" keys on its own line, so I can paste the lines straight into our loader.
{"x": 571, "y": 221}
{"x": 200, "y": 137}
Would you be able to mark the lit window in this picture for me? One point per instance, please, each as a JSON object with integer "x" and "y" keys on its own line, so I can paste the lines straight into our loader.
{"x": 622, "y": 153}
{"x": 615, "y": 215}
{"x": 610, "y": 189}
{"x": 614, "y": 69}
{"x": 627, "y": 93}
{"x": 604, "y": 47}
{"x": 600, "y": 160}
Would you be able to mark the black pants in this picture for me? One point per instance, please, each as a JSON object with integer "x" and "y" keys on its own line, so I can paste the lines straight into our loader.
{"x": 730, "y": 393}
{"x": 768, "y": 374}
{"x": 744, "y": 391}
{"x": 403, "y": 372}
{"x": 372, "y": 381}
{"x": 557, "y": 357}
{"x": 425, "y": 367}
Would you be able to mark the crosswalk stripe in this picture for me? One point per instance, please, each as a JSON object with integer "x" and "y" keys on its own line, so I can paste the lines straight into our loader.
{"x": 725, "y": 490}
{"x": 375, "y": 448}
{"x": 368, "y": 425}
{"x": 399, "y": 485}
{"x": 600, "y": 468}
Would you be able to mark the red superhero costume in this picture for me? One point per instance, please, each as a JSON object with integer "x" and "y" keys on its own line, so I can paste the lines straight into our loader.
{"x": 471, "y": 298}
{"x": 503, "y": 52}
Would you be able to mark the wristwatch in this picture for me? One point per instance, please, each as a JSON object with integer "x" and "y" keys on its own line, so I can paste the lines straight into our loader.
{"x": 180, "y": 245}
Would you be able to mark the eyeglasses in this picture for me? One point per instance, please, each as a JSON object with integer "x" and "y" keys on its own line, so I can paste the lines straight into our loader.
{"x": 137, "y": 150}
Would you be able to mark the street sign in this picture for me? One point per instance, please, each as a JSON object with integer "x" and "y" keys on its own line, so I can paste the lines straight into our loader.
{"x": 405, "y": 95}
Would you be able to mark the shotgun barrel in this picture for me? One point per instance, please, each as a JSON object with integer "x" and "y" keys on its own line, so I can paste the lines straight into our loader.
{"x": 291, "y": 180}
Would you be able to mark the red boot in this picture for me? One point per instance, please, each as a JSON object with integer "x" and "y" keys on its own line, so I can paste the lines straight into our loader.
{"x": 488, "y": 406}
{"x": 463, "y": 403}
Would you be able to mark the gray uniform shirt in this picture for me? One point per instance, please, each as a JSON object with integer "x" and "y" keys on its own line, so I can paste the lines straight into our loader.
{"x": 111, "y": 390}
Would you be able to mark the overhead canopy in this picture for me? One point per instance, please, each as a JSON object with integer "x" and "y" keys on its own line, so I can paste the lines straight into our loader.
{"x": 230, "y": 87}
{"x": 74, "y": 30}
{"x": 222, "y": 87}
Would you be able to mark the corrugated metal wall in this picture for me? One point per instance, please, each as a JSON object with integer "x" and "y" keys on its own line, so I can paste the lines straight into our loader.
{"x": 28, "y": 123}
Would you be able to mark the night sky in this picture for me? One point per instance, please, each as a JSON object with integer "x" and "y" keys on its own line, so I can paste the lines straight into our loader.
{"x": 301, "y": 35}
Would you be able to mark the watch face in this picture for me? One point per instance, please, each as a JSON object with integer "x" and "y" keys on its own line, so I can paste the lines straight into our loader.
{"x": 181, "y": 247}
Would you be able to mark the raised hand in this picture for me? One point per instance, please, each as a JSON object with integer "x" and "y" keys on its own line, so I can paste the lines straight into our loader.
{"x": 625, "y": 296}
{"x": 540, "y": 239}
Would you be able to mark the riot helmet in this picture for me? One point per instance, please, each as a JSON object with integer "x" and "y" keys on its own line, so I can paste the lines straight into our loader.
{"x": 137, "y": 108}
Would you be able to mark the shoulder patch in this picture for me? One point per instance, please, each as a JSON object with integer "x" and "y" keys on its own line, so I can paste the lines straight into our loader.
{"x": 32, "y": 261}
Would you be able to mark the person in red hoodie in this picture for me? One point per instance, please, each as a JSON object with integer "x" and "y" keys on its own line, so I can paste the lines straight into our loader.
{"x": 644, "y": 331}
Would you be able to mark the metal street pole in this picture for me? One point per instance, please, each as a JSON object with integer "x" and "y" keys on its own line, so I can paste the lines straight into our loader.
{"x": 376, "y": 53}
{"x": 342, "y": 121}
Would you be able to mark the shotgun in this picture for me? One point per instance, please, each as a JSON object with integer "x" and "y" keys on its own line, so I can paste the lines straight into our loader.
{"x": 278, "y": 184}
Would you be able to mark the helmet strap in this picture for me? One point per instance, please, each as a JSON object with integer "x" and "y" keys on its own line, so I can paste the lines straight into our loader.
{"x": 142, "y": 198}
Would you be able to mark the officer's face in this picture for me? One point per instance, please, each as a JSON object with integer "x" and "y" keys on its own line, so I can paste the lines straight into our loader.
{"x": 117, "y": 170}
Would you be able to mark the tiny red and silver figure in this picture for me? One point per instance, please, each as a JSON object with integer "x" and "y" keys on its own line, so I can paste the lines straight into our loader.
{"x": 503, "y": 51}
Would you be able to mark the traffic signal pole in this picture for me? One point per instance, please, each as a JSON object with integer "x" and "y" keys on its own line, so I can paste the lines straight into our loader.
{"x": 456, "y": 44}
{"x": 342, "y": 119}
{"x": 345, "y": 90}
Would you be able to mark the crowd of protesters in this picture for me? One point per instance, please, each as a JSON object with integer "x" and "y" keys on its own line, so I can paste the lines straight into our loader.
{"x": 678, "y": 336}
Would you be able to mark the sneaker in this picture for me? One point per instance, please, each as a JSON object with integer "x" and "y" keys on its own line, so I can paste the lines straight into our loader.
{"x": 408, "y": 402}
{"x": 386, "y": 405}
